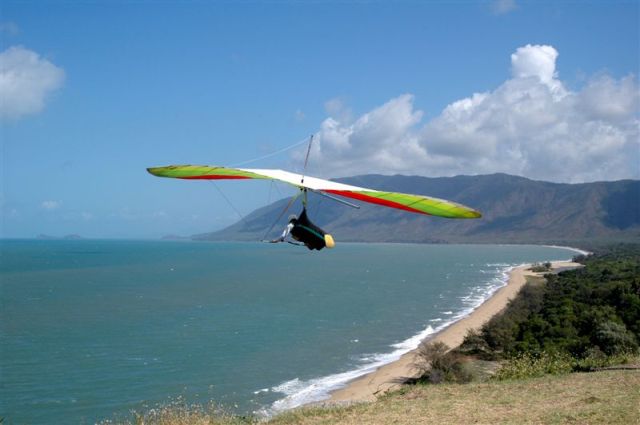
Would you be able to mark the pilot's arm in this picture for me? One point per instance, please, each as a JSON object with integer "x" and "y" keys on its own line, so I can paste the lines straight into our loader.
{"x": 285, "y": 233}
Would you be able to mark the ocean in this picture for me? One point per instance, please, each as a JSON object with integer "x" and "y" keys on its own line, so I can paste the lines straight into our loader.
{"x": 93, "y": 329}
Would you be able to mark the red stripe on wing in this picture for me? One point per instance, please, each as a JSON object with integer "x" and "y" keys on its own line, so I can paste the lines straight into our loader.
{"x": 374, "y": 200}
{"x": 215, "y": 177}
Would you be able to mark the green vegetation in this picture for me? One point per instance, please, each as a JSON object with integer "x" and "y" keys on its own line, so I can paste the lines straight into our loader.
{"x": 541, "y": 267}
{"x": 579, "y": 319}
{"x": 527, "y": 365}
{"x": 437, "y": 363}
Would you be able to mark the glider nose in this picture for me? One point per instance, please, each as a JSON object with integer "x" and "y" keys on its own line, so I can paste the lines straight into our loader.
{"x": 328, "y": 241}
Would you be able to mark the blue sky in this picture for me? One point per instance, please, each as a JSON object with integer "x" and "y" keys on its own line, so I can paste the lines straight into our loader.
{"x": 95, "y": 92}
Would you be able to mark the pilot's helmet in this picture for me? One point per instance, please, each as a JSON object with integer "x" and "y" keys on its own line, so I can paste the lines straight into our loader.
{"x": 292, "y": 217}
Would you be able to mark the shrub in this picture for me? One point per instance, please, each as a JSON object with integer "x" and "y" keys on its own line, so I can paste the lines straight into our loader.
{"x": 501, "y": 332}
{"x": 475, "y": 344}
{"x": 528, "y": 365}
{"x": 179, "y": 412}
{"x": 614, "y": 338}
{"x": 437, "y": 364}
{"x": 595, "y": 359}
{"x": 541, "y": 268}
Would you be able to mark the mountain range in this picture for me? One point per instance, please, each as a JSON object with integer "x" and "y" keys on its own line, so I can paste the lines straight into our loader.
{"x": 515, "y": 210}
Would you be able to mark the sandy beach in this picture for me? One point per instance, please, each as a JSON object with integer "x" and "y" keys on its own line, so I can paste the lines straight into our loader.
{"x": 390, "y": 376}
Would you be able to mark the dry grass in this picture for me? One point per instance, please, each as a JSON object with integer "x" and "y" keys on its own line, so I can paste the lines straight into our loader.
{"x": 611, "y": 397}
{"x": 177, "y": 412}
{"x": 607, "y": 397}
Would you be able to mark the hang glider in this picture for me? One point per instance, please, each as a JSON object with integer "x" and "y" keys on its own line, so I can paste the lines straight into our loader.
{"x": 412, "y": 203}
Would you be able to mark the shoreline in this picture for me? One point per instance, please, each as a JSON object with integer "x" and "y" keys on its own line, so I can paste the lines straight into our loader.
{"x": 391, "y": 375}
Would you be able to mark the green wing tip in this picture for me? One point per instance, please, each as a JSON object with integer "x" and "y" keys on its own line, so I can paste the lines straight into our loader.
{"x": 473, "y": 214}
{"x": 468, "y": 213}
{"x": 156, "y": 171}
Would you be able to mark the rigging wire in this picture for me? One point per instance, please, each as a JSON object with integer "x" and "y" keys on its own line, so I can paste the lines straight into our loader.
{"x": 270, "y": 190}
{"x": 306, "y": 159}
{"x": 270, "y": 154}
{"x": 230, "y": 203}
{"x": 291, "y": 201}
{"x": 277, "y": 189}
{"x": 304, "y": 170}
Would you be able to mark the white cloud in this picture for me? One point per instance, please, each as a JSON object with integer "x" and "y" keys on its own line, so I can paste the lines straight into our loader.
{"x": 530, "y": 125}
{"x": 26, "y": 80}
{"x": 501, "y": 7}
{"x": 51, "y": 205}
{"x": 607, "y": 99}
{"x": 535, "y": 61}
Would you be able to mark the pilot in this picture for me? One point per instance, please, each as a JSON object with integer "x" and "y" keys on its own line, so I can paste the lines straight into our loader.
{"x": 304, "y": 231}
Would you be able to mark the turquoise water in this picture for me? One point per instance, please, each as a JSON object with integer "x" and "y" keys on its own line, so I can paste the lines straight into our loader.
{"x": 93, "y": 329}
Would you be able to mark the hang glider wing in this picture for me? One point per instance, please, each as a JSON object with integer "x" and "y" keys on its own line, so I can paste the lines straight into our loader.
{"x": 413, "y": 203}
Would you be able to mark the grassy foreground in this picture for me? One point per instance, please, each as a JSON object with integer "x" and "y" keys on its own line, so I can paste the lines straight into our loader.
{"x": 606, "y": 397}
{"x": 611, "y": 397}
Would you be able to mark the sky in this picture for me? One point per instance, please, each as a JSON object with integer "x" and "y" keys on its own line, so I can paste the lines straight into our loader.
{"x": 94, "y": 92}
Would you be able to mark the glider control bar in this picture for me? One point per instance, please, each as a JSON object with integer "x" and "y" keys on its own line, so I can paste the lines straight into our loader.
{"x": 342, "y": 201}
